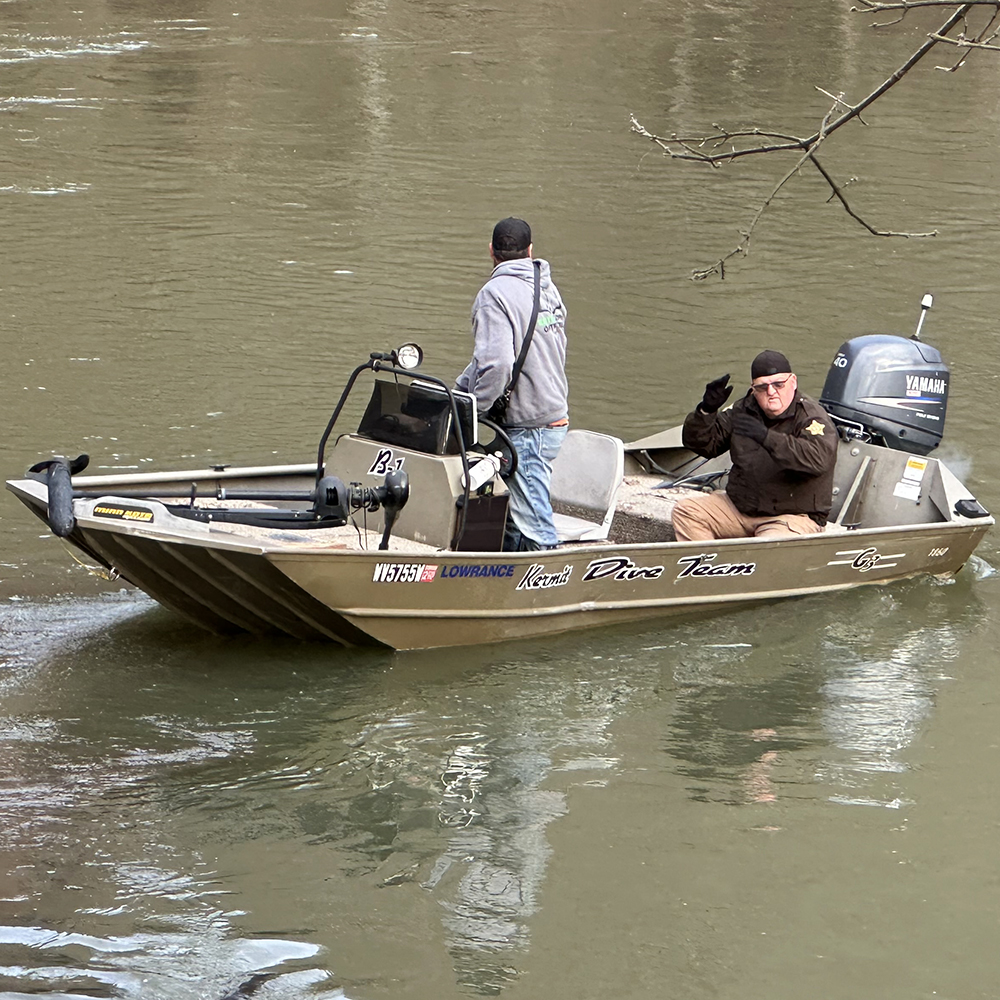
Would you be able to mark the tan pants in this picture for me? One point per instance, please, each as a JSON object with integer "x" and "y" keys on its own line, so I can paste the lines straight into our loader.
{"x": 713, "y": 515}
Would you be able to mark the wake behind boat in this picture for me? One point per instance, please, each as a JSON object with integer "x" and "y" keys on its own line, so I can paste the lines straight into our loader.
{"x": 392, "y": 535}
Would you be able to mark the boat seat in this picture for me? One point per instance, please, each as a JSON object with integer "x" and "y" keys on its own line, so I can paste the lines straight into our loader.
{"x": 585, "y": 478}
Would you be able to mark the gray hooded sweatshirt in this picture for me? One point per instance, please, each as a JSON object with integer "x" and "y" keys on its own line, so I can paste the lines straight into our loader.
{"x": 500, "y": 317}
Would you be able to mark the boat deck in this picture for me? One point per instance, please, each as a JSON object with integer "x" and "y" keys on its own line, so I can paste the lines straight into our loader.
{"x": 642, "y": 514}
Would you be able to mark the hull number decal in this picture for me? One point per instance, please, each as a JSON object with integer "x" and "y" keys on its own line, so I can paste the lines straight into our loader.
{"x": 404, "y": 573}
{"x": 702, "y": 565}
{"x": 386, "y": 461}
{"x": 123, "y": 513}
{"x": 537, "y": 579}
{"x": 620, "y": 568}
{"x": 865, "y": 560}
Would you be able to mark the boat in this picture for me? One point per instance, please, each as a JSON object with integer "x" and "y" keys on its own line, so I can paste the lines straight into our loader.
{"x": 392, "y": 535}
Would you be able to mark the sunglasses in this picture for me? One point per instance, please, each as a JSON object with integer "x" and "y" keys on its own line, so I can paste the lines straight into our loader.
{"x": 762, "y": 387}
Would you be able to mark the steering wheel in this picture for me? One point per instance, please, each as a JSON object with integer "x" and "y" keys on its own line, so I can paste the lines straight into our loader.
{"x": 501, "y": 443}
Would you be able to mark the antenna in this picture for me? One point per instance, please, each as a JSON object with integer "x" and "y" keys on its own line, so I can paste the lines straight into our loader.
{"x": 925, "y": 303}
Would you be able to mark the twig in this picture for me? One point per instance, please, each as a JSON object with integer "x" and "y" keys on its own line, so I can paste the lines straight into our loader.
{"x": 964, "y": 43}
{"x": 839, "y": 99}
{"x": 839, "y": 195}
{"x": 870, "y": 7}
{"x": 743, "y": 247}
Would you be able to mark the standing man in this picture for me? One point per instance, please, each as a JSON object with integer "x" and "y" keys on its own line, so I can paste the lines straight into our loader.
{"x": 783, "y": 446}
{"x": 537, "y": 417}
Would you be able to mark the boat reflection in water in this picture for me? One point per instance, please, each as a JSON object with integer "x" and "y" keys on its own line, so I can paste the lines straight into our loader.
{"x": 188, "y": 818}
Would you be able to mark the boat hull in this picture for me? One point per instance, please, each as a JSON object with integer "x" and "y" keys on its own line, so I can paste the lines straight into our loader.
{"x": 465, "y": 599}
{"x": 229, "y": 584}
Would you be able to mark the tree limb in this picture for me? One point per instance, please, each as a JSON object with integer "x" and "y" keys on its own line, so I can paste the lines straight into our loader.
{"x": 743, "y": 247}
{"x": 966, "y": 43}
{"x": 839, "y": 195}
{"x": 795, "y": 142}
{"x": 870, "y": 7}
{"x": 707, "y": 148}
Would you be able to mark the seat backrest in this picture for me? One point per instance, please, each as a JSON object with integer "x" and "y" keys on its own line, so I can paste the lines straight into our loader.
{"x": 588, "y": 471}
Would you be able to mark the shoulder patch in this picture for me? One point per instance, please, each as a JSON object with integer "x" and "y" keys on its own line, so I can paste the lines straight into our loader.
{"x": 815, "y": 428}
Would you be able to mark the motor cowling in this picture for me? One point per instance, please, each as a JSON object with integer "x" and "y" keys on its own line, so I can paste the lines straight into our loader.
{"x": 895, "y": 388}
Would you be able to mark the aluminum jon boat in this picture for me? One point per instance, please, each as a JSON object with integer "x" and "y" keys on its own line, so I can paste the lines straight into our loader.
{"x": 392, "y": 535}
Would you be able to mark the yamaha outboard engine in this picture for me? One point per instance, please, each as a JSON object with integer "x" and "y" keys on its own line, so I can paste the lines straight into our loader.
{"x": 893, "y": 390}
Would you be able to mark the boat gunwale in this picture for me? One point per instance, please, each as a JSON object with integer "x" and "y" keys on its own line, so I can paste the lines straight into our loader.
{"x": 608, "y": 546}
{"x": 229, "y": 539}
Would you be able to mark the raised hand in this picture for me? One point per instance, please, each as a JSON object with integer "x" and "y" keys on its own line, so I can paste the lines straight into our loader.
{"x": 716, "y": 393}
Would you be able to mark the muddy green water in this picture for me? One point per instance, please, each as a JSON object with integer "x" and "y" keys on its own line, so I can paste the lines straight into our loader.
{"x": 210, "y": 212}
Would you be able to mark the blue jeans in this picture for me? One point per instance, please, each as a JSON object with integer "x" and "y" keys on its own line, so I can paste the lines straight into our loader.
{"x": 529, "y": 520}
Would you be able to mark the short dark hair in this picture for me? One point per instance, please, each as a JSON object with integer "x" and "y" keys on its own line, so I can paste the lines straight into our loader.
{"x": 511, "y": 239}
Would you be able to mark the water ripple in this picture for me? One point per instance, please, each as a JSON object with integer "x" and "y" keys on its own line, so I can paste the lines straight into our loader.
{"x": 14, "y": 49}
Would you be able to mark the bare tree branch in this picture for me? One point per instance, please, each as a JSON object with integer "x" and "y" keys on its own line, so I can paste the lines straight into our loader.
{"x": 963, "y": 43}
{"x": 839, "y": 99}
{"x": 725, "y": 145}
{"x": 980, "y": 41}
{"x": 794, "y": 142}
{"x": 743, "y": 247}
{"x": 839, "y": 195}
{"x": 870, "y": 7}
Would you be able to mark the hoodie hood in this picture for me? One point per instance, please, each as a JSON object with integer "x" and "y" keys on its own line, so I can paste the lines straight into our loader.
{"x": 523, "y": 268}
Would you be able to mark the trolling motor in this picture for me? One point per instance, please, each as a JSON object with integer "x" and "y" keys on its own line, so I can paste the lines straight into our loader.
{"x": 332, "y": 504}
{"x": 56, "y": 473}
{"x": 334, "y": 500}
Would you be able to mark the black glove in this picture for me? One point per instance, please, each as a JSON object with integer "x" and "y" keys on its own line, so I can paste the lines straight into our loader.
{"x": 716, "y": 393}
{"x": 749, "y": 425}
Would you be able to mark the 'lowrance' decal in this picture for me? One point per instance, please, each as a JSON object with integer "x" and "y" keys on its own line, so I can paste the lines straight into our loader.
{"x": 703, "y": 565}
{"x": 506, "y": 569}
{"x": 404, "y": 573}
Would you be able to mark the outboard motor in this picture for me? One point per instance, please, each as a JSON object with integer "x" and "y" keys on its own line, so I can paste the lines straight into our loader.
{"x": 893, "y": 390}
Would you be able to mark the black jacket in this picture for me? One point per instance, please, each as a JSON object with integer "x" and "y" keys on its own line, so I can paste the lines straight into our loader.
{"x": 790, "y": 473}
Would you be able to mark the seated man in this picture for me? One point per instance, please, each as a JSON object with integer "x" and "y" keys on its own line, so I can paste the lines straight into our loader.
{"x": 783, "y": 446}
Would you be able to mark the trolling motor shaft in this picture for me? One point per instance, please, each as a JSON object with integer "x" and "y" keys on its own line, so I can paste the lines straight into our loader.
{"x": 332, "y": 502}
